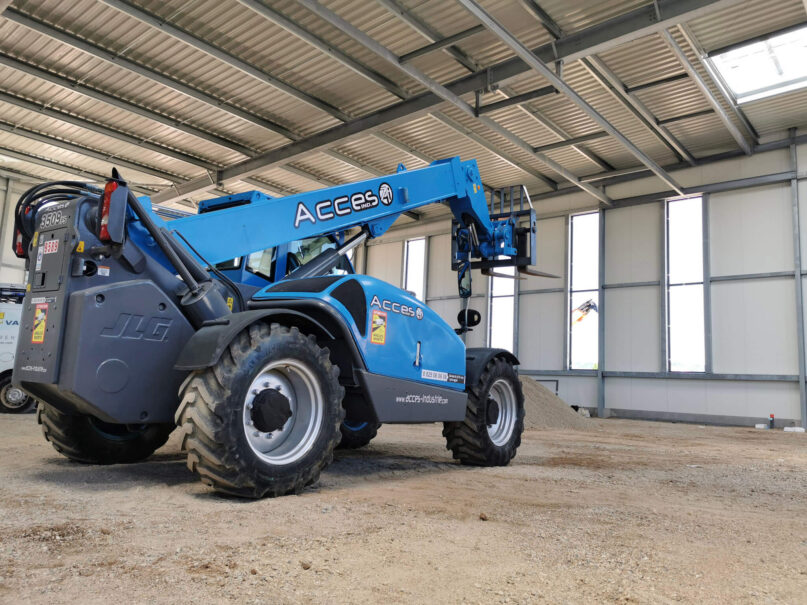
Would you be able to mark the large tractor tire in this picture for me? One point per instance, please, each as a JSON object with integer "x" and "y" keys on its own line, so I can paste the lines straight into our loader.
{"x": 89, "y": 440}
{"x": 494, "y": 418}
{"x": 265, "y": 419}
{"x": 356, "y": 434}
{"x": 12, "y": 399}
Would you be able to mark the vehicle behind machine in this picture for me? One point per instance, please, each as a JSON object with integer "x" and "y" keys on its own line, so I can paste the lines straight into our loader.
{"x": 133, "y": 325}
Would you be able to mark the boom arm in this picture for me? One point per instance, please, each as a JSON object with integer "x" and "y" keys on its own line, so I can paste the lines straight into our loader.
{"x": 256, "y": 221}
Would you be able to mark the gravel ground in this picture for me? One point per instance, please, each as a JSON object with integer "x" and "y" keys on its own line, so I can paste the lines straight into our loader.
{"x": 624, "y": 512}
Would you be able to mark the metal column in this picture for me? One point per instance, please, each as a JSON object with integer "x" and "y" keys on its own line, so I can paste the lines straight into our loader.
{"x": 601, "y": 323}
{"x": 707, "y": 286}
{"x": 794, "y": 196}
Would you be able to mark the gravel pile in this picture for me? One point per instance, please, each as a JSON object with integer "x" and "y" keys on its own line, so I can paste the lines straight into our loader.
{"x": 545, "y": 410}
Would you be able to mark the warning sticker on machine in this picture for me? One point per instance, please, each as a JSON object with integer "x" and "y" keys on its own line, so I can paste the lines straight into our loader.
{"x": 40, "y": 320}
{"x": 39, "y": 254}
{"x": 103, "y": 271}
{"x": 443, "y": 376}
{"x": 378, "y": 328}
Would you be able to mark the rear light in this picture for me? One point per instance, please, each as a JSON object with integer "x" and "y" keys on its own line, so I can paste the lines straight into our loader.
{"x": 18, "y": 247}
{"x": 103, "y": 232}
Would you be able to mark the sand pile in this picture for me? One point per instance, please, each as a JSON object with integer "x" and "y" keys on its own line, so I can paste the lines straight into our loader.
{"x": 545, "y": 410}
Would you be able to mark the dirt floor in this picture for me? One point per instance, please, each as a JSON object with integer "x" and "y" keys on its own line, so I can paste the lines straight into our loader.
{"x": 624, "y": 512}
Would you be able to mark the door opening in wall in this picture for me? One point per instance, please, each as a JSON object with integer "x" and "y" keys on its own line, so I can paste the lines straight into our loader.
{"x": 584, "y": 297}
{"x": 684, "y": 284}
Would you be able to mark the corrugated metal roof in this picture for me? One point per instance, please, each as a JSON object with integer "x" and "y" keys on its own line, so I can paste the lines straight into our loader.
{"x": 165, "y": 115}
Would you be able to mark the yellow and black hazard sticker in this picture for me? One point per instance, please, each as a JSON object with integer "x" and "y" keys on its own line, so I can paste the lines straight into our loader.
{"x": 378, "y": 328}
{"x": 230, "y": 303}
{"x": 40, "y": 320}
{"x": 80, "y": 246}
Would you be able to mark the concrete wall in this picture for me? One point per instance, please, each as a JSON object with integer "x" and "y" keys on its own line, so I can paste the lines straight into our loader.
{"x": 753, "y": 317}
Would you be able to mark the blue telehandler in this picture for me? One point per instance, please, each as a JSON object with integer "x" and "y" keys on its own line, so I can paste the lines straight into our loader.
{"x": 245, "y": 326}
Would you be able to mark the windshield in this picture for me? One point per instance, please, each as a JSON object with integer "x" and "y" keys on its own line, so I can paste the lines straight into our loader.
{"x": 298, "y": 253}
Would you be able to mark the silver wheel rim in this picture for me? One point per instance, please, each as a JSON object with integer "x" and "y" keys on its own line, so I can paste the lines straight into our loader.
{"x": 504, "y": 395}
{"x": 13, "y": 397}
{"x": 296, "y": 381}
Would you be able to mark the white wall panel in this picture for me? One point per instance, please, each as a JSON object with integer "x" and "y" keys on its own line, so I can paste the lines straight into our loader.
{"x": 385, "y": 261}
{"x": 542, "y": 330}
{"x": 551, "y": 254}
{"x": 633, "y": 244}
{"x": 744, "y": 399}
{"x": 578, "y": 390}
{"x": 632, "y": 319}
{"x": 754, "y": 327}
{"x": 440, "y": 279}
{"x": 751, "y": 231}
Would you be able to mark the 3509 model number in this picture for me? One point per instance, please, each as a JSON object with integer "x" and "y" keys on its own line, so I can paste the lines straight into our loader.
{"x": 53, "y": 219}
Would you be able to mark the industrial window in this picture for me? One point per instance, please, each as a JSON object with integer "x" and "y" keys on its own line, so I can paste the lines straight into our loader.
{"x": 584, "y": 297}
{"x": 765, "y": 66}
{"x": 685, "y": 326}
{"x": 415, "y": 266}
{"x": 501, "y": 309}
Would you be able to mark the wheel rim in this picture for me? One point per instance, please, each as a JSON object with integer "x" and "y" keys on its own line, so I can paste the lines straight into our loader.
{"x": 504, "y": 395}
{"x": 13, "y": 397}
{"x": 297, "y": 382}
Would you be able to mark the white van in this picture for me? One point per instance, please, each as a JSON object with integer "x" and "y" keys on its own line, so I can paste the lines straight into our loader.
{"x": 12, "y": 399}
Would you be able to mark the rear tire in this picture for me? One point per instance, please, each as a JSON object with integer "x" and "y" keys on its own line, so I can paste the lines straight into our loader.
{"x": 356, "y": 434}
{"x": 477, "y": 441}
{"x": 12, "y": 399}
{"x": 285, "y": 447}
{"x": 86, "y": 439}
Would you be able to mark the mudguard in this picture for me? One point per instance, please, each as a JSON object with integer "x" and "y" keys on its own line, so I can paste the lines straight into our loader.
{"x": 477, "y": 359}
{"x": 205, "y": 347}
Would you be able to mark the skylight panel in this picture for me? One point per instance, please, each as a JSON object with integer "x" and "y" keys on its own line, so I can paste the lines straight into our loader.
{"x": 766, "y": 67}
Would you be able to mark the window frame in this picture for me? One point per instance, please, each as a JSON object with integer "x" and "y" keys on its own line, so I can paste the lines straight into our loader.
{"x": 668, "y": 286}
{"x": 570, "y": 292}
{"x": 405, "y": 276}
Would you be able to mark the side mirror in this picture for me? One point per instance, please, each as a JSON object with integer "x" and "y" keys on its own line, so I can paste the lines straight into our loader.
{"x": 468, "y": 318}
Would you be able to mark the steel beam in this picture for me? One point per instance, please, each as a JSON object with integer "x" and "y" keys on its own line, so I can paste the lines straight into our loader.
{"x": 224, "y": 57}
{"x": 707, "y": 285}
{"x": 87, "y": 151}
{"x": 593, "y": 136}
{"x": 479, "y": 140}
{"x": 114, "y": 101}
{"x": 441, "y": 43}
{"x": 707, "y": 93}
{"x": 442, "y": 91}
{"x": 797, "y": 266}
{"x": 120, "y": 135}
{"x": 612, "y": 32}
{"x": 717, "y": 78}
{"x": 654, "y": 83}
{"x": 543, "y": 17}
{"x": 323, "y": 45}
{"x": 65, "y": 168}
{"x": 16, "y": 16}
{"x": 528, "y": 57}
{"x": 609, "y": 80}
{"x": 516, "y": 99}
{"x": 601, "y": 412}
{"x": 686, "y": 116}
{"x": 424, "y": 29}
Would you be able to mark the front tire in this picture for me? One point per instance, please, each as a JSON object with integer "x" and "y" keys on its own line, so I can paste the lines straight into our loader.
{"x": 86, "y": 439}
{"x": 494, "y": 418}
{"x": 12, "y": 399}
{"x": 264, "y": 420}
